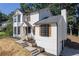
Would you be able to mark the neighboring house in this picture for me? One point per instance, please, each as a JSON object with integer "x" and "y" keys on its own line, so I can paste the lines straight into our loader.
{"x": 3, "y": 25}
{"x": 47, "y": 30}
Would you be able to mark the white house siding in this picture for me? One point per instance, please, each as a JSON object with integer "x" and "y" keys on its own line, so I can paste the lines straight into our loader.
{"x": 62, "y": 30}
{"x": 16, "y": 24}
{"x": 34, "y": 17}
{"x": 48, "y": 43}
{"x": 60, "y": 36}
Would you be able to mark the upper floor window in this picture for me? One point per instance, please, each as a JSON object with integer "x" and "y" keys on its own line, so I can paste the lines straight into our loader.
{"x": 14, "y": 19}
{"x": 19, "y": 16}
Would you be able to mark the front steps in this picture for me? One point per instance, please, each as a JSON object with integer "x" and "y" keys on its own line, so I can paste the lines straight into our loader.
{"x": 35, "y": 52}
{"x": 31, "y": 46}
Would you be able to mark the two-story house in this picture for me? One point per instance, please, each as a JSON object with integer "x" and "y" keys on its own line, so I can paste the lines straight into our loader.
{"x": 47, "y": 30}
{"x": 23, "y": 24}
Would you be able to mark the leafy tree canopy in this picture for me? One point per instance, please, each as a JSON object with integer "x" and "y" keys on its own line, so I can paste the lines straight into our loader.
{"x": 3, "y": 17}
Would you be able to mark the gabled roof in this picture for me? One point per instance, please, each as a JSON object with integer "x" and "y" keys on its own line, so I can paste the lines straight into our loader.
{"x": 19, "y": 10}
{"x": 32, "y": 11}
{"x": 49, "y": 20}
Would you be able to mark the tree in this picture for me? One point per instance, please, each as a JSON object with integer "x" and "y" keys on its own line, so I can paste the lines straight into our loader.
{"x": 55, "y": 9}
{"x": 3, "y": 17}
{"x": 25, "y": 7}
{"x": 9, "y": 28}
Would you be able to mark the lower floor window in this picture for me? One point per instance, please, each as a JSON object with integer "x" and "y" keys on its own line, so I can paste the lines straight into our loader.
{"x": 18, "y": 30}
{"x": 44, "y": 30}
{"x": 14, "y": 30}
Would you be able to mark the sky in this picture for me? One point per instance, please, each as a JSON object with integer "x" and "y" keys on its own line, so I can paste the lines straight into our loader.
{"x": 7, "y": 8}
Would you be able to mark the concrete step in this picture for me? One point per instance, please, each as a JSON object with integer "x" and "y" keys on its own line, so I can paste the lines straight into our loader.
{"x": 29, "y": 44}
{"x": 30, "y": 48}
{"x": 41, "y": 49}
{"x": 32, "y": 44}
{"x": 35, "y": 52}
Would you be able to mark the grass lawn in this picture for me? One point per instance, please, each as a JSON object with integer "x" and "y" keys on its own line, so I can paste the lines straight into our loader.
{"x": 2, "y": 33}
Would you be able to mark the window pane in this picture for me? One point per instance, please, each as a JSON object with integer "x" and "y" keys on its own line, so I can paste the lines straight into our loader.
{"x": 18, "y": 30}
{"x": 44, "y": 30}
{"x": 14, "y": 19}
{"x": 18, "y": 18}
{"x": 14, "y": 30}
{"x": 29, "y": 29}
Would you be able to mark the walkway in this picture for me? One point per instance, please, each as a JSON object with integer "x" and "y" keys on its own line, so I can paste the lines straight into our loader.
{"x": 70, "y": 52}
{"x": 74, "y": 44}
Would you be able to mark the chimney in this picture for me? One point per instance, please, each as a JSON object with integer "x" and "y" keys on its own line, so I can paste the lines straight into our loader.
{"x": 64, "y": 14}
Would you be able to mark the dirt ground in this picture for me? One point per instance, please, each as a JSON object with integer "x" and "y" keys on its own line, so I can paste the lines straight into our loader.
{"x": 9, "y": 47}
{"x": 73, "y": 38}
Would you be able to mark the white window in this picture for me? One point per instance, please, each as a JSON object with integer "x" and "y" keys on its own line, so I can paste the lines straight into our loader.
{"x": 19, "y": 16}
{"x": 14, "y": 18}
{"x": 19, "y": 30}
{"x": 14, "y": 30}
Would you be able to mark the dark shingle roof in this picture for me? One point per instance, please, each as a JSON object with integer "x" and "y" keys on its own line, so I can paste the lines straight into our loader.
{"x": 51, "y": 19}
{"x": 31, "y": 11}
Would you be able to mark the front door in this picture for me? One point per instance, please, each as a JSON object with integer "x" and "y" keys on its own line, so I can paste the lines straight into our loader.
{"x": 28, "y": 30}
